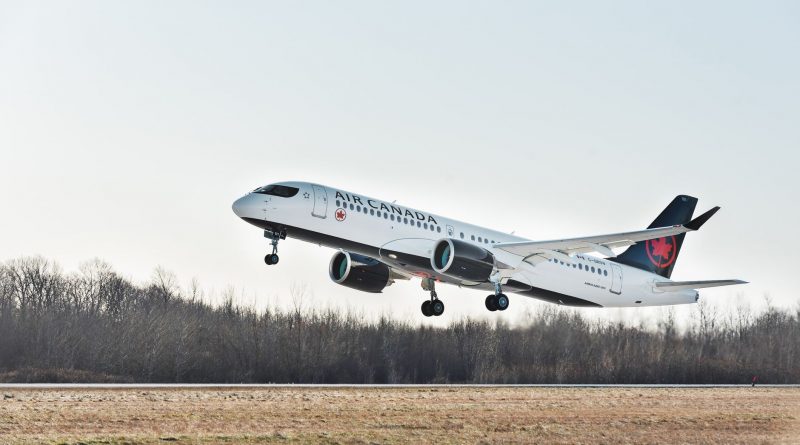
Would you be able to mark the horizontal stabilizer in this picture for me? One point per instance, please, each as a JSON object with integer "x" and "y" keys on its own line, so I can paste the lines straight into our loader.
{"x": 675, "y": 286}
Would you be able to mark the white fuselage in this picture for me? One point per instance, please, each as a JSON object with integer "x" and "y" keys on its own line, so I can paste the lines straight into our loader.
{"x": 404, "y": 239}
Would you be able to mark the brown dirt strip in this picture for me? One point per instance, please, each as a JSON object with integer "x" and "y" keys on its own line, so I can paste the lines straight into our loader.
{"x": 402, "y": 415}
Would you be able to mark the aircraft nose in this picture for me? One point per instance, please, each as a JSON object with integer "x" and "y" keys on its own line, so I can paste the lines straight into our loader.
{"x": 239, "y": 206}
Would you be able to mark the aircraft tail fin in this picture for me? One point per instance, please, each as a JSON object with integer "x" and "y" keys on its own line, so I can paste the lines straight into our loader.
{"x": 659, "y": 255}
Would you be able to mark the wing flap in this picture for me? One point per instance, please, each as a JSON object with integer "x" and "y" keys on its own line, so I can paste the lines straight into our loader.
{"x": 598, "y": 243}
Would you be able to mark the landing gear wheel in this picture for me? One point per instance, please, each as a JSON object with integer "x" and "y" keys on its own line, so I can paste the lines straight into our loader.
{"x": 437, "y": 307}
{"x": 432, "y": 307}
{"x": 426, "y": 308}
{"x": 274, "y": 237}
{"x": 491, "y": 303}
{"x": 501, "y": 302}
{"x": 497, "y": 301}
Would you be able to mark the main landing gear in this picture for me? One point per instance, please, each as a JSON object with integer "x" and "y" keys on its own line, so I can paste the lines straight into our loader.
{"x": 434, "y": 306}
{"x": 497, "y": 301}
{"x": 273, "y": 258}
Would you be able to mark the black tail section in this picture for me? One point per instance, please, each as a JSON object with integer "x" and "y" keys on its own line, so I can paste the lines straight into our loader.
{"x": 659, "y": 255}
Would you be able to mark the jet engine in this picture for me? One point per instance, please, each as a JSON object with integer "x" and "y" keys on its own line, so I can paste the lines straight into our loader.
{"x": 359, "y": 272}
{"x": 462, "y": 260}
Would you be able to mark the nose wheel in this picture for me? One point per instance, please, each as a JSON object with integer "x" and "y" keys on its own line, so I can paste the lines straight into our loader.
{"x": 273, "y": 258}
{"x": 433, "y": 307}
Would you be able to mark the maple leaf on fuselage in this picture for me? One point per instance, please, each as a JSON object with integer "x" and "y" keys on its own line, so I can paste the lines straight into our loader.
{"x": 661, "y": 248}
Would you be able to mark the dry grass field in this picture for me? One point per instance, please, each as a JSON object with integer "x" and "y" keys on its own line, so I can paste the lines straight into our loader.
{"x": 401, "y": 415}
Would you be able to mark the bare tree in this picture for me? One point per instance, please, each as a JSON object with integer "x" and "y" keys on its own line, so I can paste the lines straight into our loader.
{"x": 97, "y": 323}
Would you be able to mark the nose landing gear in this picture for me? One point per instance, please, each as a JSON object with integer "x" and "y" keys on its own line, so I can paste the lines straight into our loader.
{"x": 434, "y": 306}
{"x": 273, "y": 258}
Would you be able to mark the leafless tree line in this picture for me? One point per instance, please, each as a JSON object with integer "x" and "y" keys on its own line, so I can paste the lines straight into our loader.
{"x": 95, "y": 325}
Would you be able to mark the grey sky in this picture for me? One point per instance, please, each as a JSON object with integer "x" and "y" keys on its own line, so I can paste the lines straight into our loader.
{"x": 127, "y": 129}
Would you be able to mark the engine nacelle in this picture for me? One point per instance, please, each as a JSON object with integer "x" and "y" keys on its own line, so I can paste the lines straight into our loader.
{"x": 359, "y": 272}
{"x": 462, "y": 260}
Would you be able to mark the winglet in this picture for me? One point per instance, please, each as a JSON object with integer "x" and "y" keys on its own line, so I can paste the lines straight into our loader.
{"x": 698, "y": 222}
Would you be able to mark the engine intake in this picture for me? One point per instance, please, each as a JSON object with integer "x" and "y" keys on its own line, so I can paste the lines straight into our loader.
{"x": 462, "y": 260}
{"x": 359, "y": 272}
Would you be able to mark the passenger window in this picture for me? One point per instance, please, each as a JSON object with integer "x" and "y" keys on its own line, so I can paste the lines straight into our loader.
{"x": 480, "y": 240}
{"x": 372, "y": 212}
{"x": 385, "y": 215}
{"x": 352, "y": 207}
{"x": 592, "y": 269}
{"x": 419, "y": 224}
{"x": 439, "y": 229}
{"x": 338, "y": 204}
{"x": 425, "y": 226}
{"x": 358, "y": 209}
{"x": 605, "y": 272}
{"x": 462, "y": 235}
{"x": 391, "y": 217}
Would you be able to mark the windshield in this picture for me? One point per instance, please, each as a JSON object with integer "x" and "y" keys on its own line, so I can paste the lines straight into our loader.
{"x": 277, "y": 190}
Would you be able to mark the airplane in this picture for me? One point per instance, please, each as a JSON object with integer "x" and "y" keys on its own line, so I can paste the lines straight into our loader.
{"x": 379, "y": 242}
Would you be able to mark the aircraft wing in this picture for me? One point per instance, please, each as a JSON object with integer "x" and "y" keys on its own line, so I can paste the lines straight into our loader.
{"x": 675, "y": 286}
{"x": 535, "y": 252}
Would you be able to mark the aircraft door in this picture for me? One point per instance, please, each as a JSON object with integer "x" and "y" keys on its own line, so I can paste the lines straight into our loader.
{"x": 616, "y": 279}
{"x": 320, "y": 202}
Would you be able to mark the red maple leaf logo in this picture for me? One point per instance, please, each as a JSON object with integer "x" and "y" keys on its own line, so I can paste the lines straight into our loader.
{"x": 663, "y": 248}
{"x": 340, "y": 214}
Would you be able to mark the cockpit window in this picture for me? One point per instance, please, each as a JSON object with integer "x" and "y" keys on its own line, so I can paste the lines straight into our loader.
{"x": 277, "y": 190}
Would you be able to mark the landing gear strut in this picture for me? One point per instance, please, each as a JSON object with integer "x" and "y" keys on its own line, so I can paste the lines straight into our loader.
{"x": 498, "y": 301}
{"x": 273, "y": 258}
{"x": 434, "y": 306}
